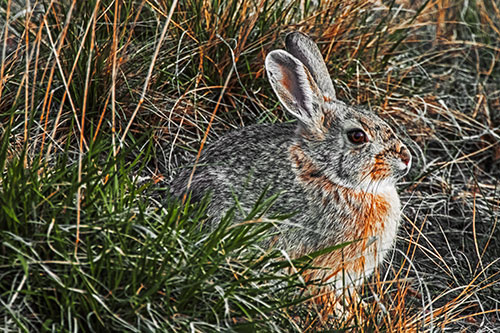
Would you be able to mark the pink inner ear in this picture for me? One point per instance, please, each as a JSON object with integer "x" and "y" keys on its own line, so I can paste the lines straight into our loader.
{"x": 291, "y": 92}
{"x": 286, "y": 80}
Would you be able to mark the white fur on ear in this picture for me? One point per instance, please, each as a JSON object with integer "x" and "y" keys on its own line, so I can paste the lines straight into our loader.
{"x": 295, "y": 88}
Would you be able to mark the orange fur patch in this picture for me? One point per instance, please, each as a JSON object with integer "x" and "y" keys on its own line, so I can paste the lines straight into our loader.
{"x": 380, "y": 169}
{"x": 368, "y": 212}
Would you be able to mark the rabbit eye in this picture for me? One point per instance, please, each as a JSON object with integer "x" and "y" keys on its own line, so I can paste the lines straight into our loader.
{"x": 357, "y": 136}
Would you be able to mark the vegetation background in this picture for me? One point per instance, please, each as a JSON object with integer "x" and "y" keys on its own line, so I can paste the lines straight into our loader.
{"x": 101, "y": 102}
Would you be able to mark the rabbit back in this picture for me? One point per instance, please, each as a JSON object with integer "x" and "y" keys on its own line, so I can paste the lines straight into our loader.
{"x": 241, "y": 165}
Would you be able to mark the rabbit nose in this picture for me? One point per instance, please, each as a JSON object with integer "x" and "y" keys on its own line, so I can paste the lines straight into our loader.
{"x": 405, "y": 155}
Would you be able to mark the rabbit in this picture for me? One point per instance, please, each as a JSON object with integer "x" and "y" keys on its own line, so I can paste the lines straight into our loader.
{"x": 336, "y": 168}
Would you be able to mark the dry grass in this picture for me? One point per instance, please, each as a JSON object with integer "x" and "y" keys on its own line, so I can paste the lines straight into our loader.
{"x": 76, "y": 75}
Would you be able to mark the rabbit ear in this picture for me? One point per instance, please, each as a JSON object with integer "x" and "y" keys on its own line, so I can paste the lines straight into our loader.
{"x": 296, "y": 89}
{"x": 304, "y": 49}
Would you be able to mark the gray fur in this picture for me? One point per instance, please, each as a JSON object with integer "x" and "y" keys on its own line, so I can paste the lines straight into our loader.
{"x": 304, "y": 49}
{"x": 237, "y": 165}
{"x": 320, "y": 174}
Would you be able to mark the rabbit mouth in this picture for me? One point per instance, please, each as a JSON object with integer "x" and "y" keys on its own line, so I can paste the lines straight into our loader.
{"x": 404, "y": 161}
{"x": 404, "y": 165}
{"x": 400, "y": 167}
{"x": 396, "y": 166}
{"x": 404, "y": 169}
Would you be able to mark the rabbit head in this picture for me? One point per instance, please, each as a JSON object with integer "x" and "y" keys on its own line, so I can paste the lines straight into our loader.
{"x": 351, "y": 146}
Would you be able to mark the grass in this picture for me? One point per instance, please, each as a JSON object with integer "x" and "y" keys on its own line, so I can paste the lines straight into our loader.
{"x": 99, "y": 108}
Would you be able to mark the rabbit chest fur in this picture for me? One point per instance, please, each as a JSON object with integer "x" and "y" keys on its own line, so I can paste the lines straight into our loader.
{"x": 336, "y": 169}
